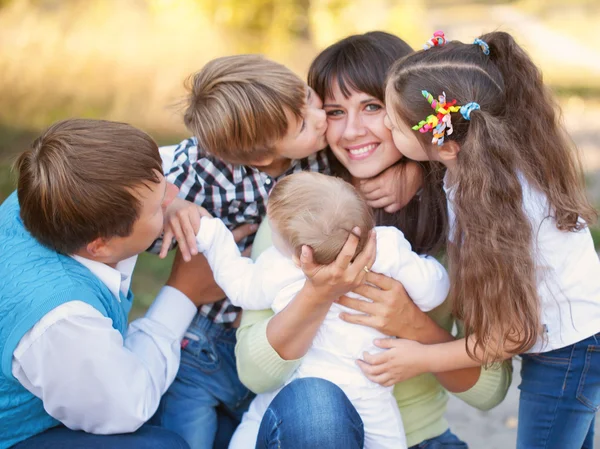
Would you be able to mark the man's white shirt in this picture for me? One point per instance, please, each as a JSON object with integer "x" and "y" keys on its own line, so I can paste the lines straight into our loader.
{"x": 86, "y": 374}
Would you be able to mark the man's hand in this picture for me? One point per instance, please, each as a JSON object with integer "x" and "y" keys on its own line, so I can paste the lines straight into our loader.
{"x": 393, "y": 188}
{"x": 182, "y": 221}
{"x": 195, "y": 278}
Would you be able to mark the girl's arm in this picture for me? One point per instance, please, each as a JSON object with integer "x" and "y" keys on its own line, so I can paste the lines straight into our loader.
{"x": 393, "y": 313}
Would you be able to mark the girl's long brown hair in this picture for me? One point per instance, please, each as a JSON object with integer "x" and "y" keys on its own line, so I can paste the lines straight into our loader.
{"x": 515, "y": 136}
{"x": 360, "y": 62}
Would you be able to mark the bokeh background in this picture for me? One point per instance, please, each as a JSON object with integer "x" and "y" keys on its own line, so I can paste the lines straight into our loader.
{"x": 126, "y": 60}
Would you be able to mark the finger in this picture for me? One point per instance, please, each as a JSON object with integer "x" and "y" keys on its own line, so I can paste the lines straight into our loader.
{"x": 378, "y": 359}
{"x": 381, "y": 281}
{"x": 385, "y": 343}
{"x": 370, "y": 370}
{"x": 247, "y": 252}
{"x": 369, "y": 185}
{"x": 179, "y": 236}
{"x": 195, "y": 219}
{"x": 374, "y": 195}
{"x": 393, "y": 208}
{"x": 166, "y": 243}
{"x": 348, "y": 250}
{"x": 366, "y": 258}
{"x": 188, "y": 234}
{"x": 356, "y": 304}
{"x": 380, "y": 203}
{"x": 368, "y": 291}
{"x": 358, "y": 318}
{"x": 307, "y": 262}
{"x": 244, "y": 231}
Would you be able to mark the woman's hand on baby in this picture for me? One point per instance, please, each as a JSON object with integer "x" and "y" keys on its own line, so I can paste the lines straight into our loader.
{"x": 331, "y": 281}
{"x": 182, "y": 221}
{"x": 402, "y": 360}
{"x": 393, "y": 188}
{"x": 391, "y": 311}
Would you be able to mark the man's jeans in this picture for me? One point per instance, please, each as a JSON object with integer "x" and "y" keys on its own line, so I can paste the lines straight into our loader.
{"x": 313, "y": 413}
{"x": 207, "y": 400}
{"x": 147, "y": 437}
{"x": 560, "y": 395}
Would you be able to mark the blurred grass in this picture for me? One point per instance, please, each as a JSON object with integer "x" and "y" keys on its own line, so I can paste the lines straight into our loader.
{"x": 126, "y": 59}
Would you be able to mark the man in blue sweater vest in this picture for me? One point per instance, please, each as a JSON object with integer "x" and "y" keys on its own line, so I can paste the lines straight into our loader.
{"x": 90, "y": 197}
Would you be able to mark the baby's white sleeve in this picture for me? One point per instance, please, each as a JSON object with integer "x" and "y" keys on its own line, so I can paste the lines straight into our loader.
{"x": 241, "y": 279}
{"x": 424, "y": 278}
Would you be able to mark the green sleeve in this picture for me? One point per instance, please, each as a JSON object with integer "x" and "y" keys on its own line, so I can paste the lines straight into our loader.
{"x": 259, "y": 366}
{"x": 492, "y": 386}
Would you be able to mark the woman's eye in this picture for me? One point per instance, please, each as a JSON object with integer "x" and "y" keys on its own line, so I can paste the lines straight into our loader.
{"x": 334, "y": 112}
{"x": 372, "y": 107}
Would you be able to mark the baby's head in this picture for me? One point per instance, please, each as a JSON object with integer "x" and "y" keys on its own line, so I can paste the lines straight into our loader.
{"x": 319, "y": 211}
{"x": 248, "y": 110}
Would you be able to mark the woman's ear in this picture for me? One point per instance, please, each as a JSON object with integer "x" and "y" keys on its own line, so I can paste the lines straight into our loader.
{"x": 448, "y": 151}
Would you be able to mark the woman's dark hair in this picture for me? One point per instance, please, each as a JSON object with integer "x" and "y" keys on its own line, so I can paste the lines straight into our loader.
{"x": 360, "y": 63}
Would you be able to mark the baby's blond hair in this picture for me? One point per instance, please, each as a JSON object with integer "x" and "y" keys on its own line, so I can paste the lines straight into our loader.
{"x": 319, "y": 211}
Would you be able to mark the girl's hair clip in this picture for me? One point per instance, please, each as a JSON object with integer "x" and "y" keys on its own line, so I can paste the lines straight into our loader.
{"x": 437, "y": 40}
{"x": 484, "y": 46}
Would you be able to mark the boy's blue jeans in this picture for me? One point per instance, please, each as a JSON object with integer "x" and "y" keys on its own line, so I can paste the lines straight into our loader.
{"x": 313, "y": 413}
{"x": 206, "y": 401}
{"x": 560, "y": 395}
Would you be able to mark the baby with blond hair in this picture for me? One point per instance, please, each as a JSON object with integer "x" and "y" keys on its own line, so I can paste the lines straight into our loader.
{"x": 321, "y": 211}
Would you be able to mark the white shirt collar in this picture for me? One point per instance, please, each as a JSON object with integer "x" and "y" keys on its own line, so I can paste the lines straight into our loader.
{"x": 116, "y": 279}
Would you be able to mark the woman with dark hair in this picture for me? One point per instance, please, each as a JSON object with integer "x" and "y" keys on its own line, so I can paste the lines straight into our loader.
{"x": 350, "y": 77}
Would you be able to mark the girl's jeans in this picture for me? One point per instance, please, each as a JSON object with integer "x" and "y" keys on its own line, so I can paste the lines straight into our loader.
{"x": 560, "y": 395}
{"x": 313, "y": 413}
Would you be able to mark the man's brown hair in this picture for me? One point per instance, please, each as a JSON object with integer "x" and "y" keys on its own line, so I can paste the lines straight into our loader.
{"x": 237, "y": 106}
{"x": 76, "y": 183}
{"x": 320, "y": 211}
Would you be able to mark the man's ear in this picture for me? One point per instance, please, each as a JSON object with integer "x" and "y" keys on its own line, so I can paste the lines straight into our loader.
{"x": 448, "y": 151}
{"x": 99, "y": 248}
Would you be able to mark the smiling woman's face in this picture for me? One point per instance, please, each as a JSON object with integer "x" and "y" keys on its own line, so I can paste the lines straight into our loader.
{"x": 357, "y": 135}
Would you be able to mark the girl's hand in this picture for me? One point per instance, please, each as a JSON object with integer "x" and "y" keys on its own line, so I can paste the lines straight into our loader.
{"x": 331, "y": 281}
{"x": 182, "y": 221}
{"x": 391, "y": 311}
{"x": 403, "y": 360}
{"x": 393, "y": 189}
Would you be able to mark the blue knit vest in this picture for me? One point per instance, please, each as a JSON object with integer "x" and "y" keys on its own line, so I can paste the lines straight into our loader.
{"x": 33, "y": 281}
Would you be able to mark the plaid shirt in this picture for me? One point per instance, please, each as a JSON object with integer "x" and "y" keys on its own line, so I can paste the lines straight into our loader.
{"x": 237, "y": 194}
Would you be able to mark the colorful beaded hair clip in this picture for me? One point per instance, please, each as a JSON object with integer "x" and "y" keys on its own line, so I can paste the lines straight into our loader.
{"x": 440, "y": 123}
{"x": 437, "y": 40}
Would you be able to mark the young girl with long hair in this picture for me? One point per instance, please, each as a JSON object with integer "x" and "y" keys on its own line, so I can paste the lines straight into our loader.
{"x": 525, "y": 278}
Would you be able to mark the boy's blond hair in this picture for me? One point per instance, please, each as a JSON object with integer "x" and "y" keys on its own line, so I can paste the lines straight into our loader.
{"x": 319, "y": 211}
{"x": 237, "y": 106}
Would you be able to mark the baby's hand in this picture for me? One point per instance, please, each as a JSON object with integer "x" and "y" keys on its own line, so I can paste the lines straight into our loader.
{"x": 182, "y": 221}
{"x": 393, "y": 188}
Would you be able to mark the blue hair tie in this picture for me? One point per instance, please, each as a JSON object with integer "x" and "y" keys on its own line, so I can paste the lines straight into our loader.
{"x": 468, "y": 108}
{"x": 484, "y": 46}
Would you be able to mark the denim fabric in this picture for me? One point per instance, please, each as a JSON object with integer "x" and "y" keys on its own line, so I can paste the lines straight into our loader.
{"x": 207, "y": 400}
{"x": 446, "y": 440}
{"x": 560, "y": 395}
{"x": 311, "y": 413}
{"x": 146, "y": 437}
